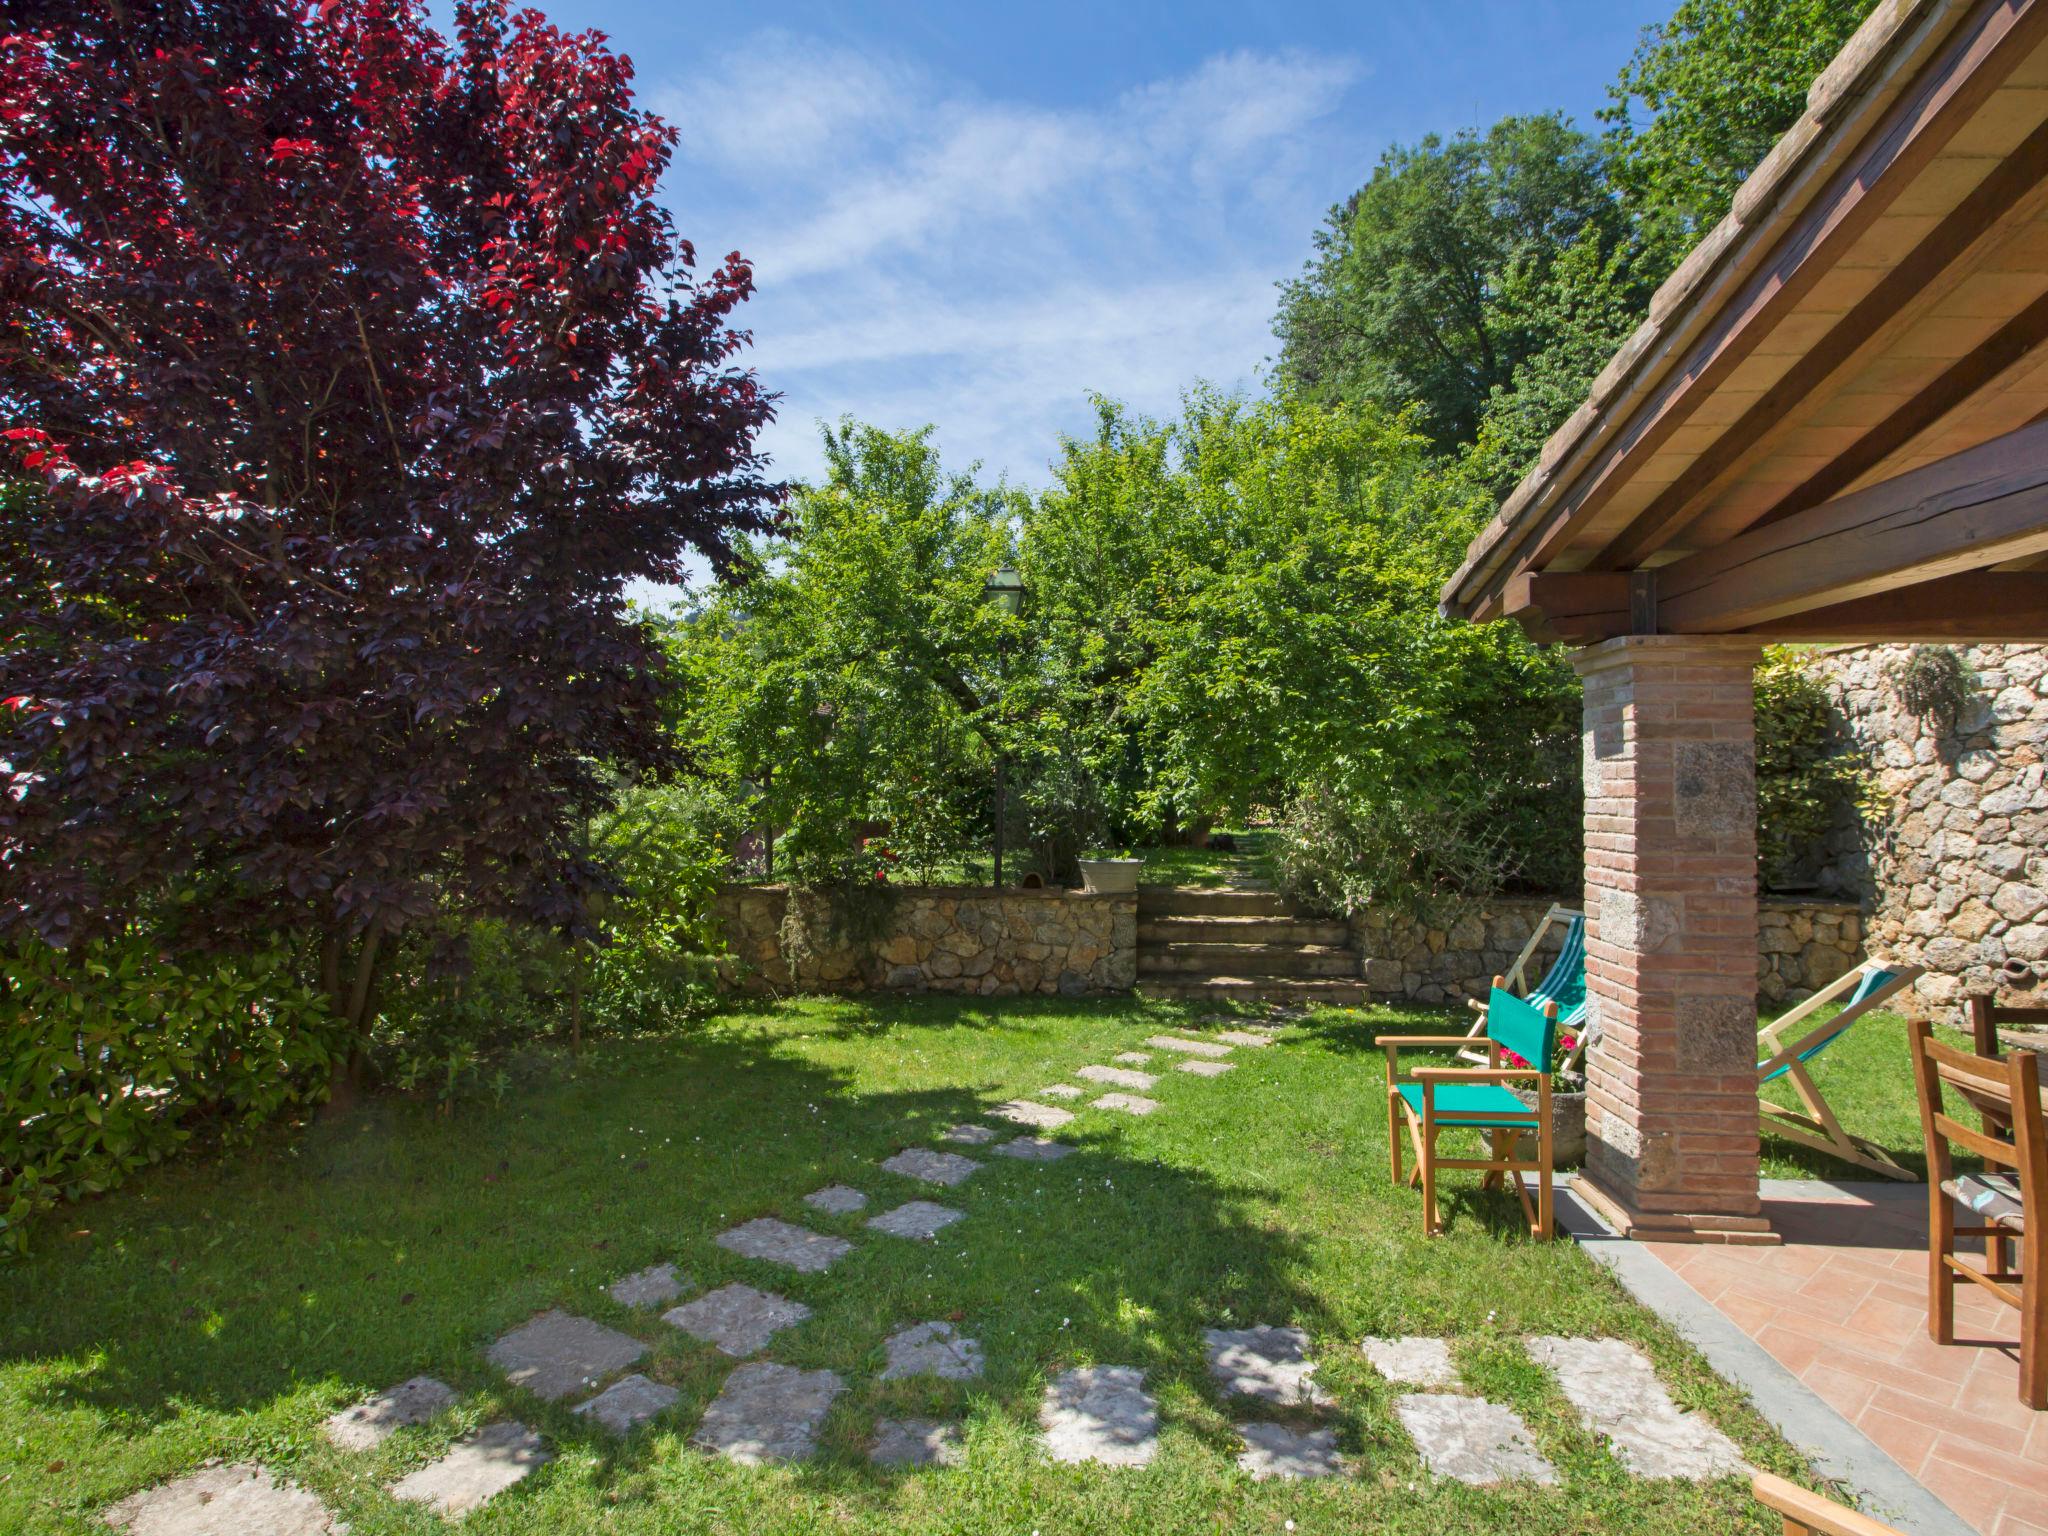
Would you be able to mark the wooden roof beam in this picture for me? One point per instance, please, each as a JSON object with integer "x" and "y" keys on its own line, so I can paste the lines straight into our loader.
{"x": 1971, "y": 510}
{"x": 1977, "y": 607}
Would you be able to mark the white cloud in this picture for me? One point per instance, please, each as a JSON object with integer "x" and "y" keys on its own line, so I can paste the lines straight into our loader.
{"x": 927, "y": 255}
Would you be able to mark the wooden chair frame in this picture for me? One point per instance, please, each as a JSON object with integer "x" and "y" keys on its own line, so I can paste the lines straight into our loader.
{"x": 1517, "y": 981}
{"x": 1807, "y": 1513}
{"x": 1983, "y": 1016}
{"x": 2011, "y": 1088}
{"x": 1423, "y": 1130}
{"x": 1817, "y": 1127}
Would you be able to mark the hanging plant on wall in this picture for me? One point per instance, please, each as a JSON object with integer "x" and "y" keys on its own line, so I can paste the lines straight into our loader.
{"x": 1934, "y": 683}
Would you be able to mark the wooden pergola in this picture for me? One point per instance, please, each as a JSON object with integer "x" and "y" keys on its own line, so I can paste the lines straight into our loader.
{"x": 1832, "y": 427}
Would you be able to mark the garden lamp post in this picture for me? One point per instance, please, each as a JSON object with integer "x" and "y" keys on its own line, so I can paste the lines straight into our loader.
{"x": 1005, "y": 589}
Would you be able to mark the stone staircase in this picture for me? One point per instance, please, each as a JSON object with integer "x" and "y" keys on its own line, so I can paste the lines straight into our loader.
{"x": 1240, "y": 943}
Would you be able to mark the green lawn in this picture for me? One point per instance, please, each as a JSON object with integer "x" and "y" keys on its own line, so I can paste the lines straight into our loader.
{"x": 1867, "y": 1076}
{"x": 223, "y": 1311}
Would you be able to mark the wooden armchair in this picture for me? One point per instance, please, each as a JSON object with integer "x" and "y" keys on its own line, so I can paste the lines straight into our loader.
{"x": 1807, "y": 1513}
{"x": 1477, "y": 1098}
{"x": 2008, "y": 1203}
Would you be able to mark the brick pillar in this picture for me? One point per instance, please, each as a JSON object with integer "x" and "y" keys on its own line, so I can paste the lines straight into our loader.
{"x": 1671, "y": 936}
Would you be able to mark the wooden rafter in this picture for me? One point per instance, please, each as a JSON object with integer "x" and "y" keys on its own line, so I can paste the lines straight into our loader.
{"x": 1976, "y": 607}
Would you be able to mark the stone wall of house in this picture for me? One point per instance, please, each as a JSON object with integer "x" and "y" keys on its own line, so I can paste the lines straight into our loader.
{"x": 1802, "y": 945}
{"x": 935, "y": 939}
{"x": 1956, "y": 878}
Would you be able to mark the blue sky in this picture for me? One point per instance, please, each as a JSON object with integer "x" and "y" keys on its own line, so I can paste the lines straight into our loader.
{"x": 973, "y": 215}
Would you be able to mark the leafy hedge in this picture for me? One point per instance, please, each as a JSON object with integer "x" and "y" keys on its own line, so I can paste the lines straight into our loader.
{"x": 114, "y": 1055}
{"x": 1805, "y": 776}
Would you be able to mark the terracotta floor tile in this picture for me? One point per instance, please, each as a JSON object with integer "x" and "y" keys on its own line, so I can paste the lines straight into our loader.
{"x": 1887, "y": 1319}
{"x": 1847, "y": 1392}
{"x": 2002, "y": 1466}
{"x": 1889, "y": 1373}
{"x": 2029, "y": 1501}
{"x": 2008, "y": 1525}
{"x": 1906, "y": 1441}
{"x": 1978, "y": 1499}
{"x": 1790, "y": 1347}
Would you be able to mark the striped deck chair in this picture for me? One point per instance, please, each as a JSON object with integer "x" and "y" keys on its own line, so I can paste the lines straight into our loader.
{"x": 1869, "y": 986}
{"x": 1563, "y": 984}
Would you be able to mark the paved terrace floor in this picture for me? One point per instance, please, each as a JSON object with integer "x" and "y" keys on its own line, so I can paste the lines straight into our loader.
{"x": 1842, "y": 1305}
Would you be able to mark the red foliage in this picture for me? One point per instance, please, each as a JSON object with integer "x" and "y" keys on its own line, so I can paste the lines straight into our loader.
{"x": 348, "y": 373}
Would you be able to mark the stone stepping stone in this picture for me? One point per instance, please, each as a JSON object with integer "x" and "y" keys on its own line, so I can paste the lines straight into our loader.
{"x": 781, "y": 1242}
{"x": 559, "y": 1355}
{"x": 1275, "y": 1450}
{"x": 1414, "y": 1362}
{"x": 933, "y": 1349}
{"x": 947, "y": 1168}
{"x": 628, "y": 1402}
{"x": 1060, "y": 1091}
{"x": 245, "y": 1499}
{"x": 1033, "y": 1149}
{"x": 1616, "y": 1391}
{"x": 1268, "y": 1363}
{"x": 768, "y": 1412}
{"x": 969, "y": 1135}
{"x": 1119, "y": 1077}
{"x": 1203, "y": 1068}
{"x": 1100, "y": 1413}
{"x": 1133, "y": 1058}
{"x": 1189, "y": 1047}
{"x": 376, "y": 1419}
{"x": 737, "y": 1319}
{"x": 916, "y": 1443}
{"x": 920, "y": 1219}
{"x": 1244, "y": 1037}
{"x": 1040, "y": 1117}
{"x": 1129, "y": 1103}
{"x": 650, "y": 1287}
{"x": 476, "y": 1469}
{"x": 1472, "y": 1440}
{"x": 836, "y": 1200}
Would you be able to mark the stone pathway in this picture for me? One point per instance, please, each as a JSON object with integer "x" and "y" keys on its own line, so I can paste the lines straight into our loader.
{"x": 1119, "y": 1077}
{"x": 932, "y": 1349}
{"x": 1040, "y": 1117}
{"x": 1257, "y": 1040}
{"x": 767, "y": 1413}
{"x": 780, "y": 1242}
{"x": 214, "y": 1501}
{"x": 836, "y": 1200}
{"x": 947, "y": 1168}
{"x": 915, "y": 1443}
{"x": 1277, "y": 1450}
{"x": 1415, "y": 1362}
{"x": 1267, "y": 1363}
{"x": 1129, "y": 1103}
{"x": 374, "y": 1420}
{"x": 1033, "y": 1149}
{"x": 558, "y": 1354}
{"x": 476, "y": 1469}
{"x": 1060, "y": 1091}
{"x": 1133, "y": 1058}
{"x": 917, "y": 1219}
{"x": 969, "y": 1135}
{"x": 650, "y": 1287}
{"x": 1619, "y": 1397}
{"x": 628, "y": 1403}
{"x": 1202, "y": 1068}
{"x": 1472, "y": 1440}
{"x": 1188, "y": 1047}
{"x": 737, "y": 1319}
{"x": 1461, "y": 1437}
{"x": 1100, "y": 1413}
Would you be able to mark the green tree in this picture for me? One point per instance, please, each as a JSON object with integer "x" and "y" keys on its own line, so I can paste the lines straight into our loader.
{"x": 1419, "y": 291}
{"x": 1702, "y": 100}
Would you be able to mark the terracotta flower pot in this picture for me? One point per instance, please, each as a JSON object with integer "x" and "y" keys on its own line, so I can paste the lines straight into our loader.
{"x": 1110, "y": 877}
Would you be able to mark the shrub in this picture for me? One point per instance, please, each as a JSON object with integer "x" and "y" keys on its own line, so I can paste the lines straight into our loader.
{"x": 1933, "y": 683}
{"x": 1424, "y": 858}
{"x": 1805, "y": 777}
{"x": 114, "y": 1054}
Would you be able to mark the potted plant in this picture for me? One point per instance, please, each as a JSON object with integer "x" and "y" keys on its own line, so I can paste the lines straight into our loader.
{"x": 1567, "y": 1105}
{"x": 1110, "y": 874}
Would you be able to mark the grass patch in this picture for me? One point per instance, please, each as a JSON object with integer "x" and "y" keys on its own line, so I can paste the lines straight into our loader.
{"x": 223, "y": 1311}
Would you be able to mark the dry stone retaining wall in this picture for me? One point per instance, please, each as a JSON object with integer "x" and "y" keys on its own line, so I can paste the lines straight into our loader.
{"x": 938, "y": 939}
{"x": 1957, "y": 877}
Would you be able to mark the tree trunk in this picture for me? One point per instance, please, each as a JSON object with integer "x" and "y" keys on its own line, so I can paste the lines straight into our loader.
{"x": 355, "y": 1004}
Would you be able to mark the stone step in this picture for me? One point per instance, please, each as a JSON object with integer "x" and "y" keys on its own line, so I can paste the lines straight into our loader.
{"x": 1243, "y": 930}
{"x": 1210, "y": 901}
{"x": 1313, "y": 990}
{"x": 1246, "y": 960}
